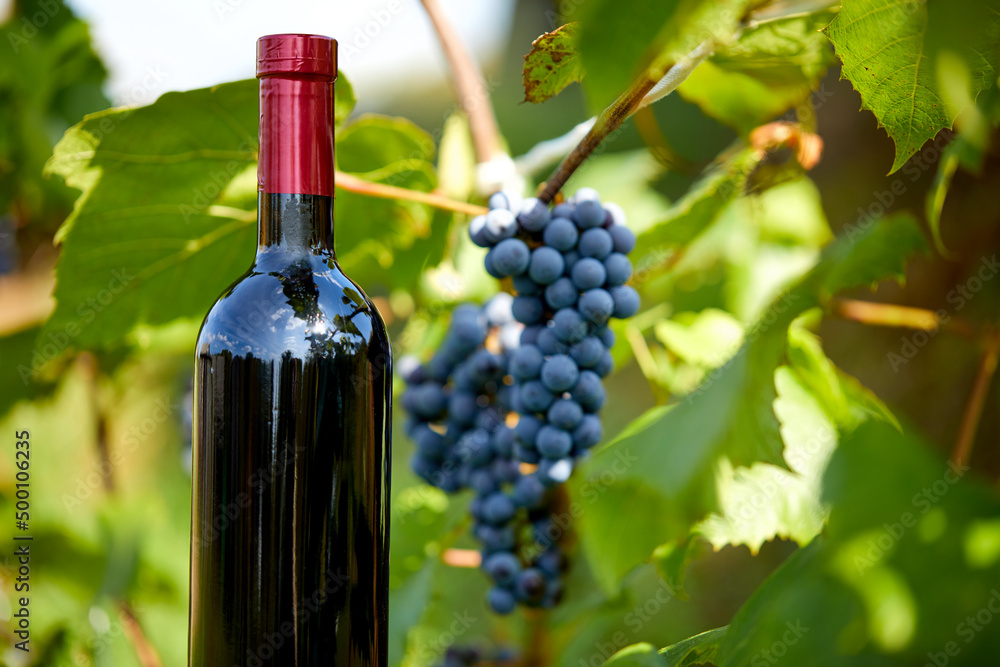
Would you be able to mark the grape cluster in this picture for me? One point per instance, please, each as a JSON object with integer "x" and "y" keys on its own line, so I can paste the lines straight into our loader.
{"x": 470, "y": 656}
{"x": 540, "y": 355}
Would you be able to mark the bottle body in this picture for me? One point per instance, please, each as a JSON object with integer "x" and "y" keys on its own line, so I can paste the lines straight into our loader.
{"x": 289, "y": 556}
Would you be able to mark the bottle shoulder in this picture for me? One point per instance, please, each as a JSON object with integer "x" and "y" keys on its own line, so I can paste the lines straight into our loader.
{"x": 304, "y": 305}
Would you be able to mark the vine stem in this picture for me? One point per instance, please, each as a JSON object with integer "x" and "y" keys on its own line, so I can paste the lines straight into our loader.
{"x": 472, "y": 94}
{"x": 144, "y": 650}
{"x": 977, "y": 399}
{"x": 891, "y": 315}
{"x": 383, "y": 191}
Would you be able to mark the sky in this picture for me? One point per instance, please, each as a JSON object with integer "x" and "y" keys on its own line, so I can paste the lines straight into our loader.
{"x": 386, "y": 46}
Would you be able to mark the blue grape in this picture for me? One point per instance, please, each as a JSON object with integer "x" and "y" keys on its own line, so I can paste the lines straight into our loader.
{"x": 527, "y": 454}
{"x": 587, "y": 433}
{"x": 570, "y": 259}
{"x": 529, "y": 336}
{"x": 605, "y": 365}
{"x": 565, "y": 414}
{"x": 528, "y": 309}
{"x": 587, "y": 352}
{"x": 527, "y": 429}
{"x": 488, "y": 264}
{"x": 502, "y": 601}
{"x": 561, "y": 294}
{"x": 559, "y": 374}
{"x": 502, "y": 567}
{"x": 616, "y": 216}
{"x": 553, "y": 443}
{"x": 534, "y": 215}
{"x": 618, "y": 269}
{"x": 561, "y": 234}
{"x": 502, "y": 442}
{"x": 535, "y": 397}
{"x": 596, "y": 306}
{"x": 552, "y": 472}
{"x": 528, "y": 492}
{"x": 626, "y": 301}
{"x": 588, "y": 273}
{"x": 482, "y": 481}
{"x": 525, "y": 286}
{"x": 428, "y": 400}
{"x": 511, "y": 257}
{"x": 474, "y": 447}
{"x": 596, "y": 243}
{"x": 485, "y": 366}
{"x": 563, "y": 210}
{"x": 497, "y": 310}
{"x": 507, "y": 471}
{"x": 568, "y": 326}
{"x": 589, "y": 391}
{"x": 551, "y": 562}
{"x": 588, "y": 214}
{"x": 546, "y": 265}
{"x": 623, "y": 238}
{"x": 549, "y": 344}
{"x": 530, "y": 585}
{"x": 462, "y": 407}
{"x": 478, "y": 233}
{"x": 430, "y": 443}
{"x": 607, "y": 336}
{"x": 526, "y": 363}
{"x": 498, "y": 508}
{"x": 501, "y": 224}
{"x": 553, "y": 592}
{"x": 495, "y": 538}
{"x": 505, "y": 199}
{"x": 423, "y": 467}
{"x": 585, "y": 194}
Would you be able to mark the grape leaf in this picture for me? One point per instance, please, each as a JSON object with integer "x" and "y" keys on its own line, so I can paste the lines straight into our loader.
{"x": 552, "y": 64}
{"x": 636, "y": 655}
{"x": 697, "y": 650}
{"x": 619, "y": 38}
{"x": 677, "y": 452}
{"x": 771, "y": 68}
{"x": 166, "y": 217}
{"x": 890, "y": 51}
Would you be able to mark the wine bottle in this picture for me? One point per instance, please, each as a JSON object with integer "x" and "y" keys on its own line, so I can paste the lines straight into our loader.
{"x": 293, "y": 387}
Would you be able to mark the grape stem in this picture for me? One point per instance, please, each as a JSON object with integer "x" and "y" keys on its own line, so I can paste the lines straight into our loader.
{"x": 977, "y": 398}
{"x": 144, "y": 649}
{"x": 472, "y": 94}
{"x": 891, "y": 315}
{"x": 383, "y": 191}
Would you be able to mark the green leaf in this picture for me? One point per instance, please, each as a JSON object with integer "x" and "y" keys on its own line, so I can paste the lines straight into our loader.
{"x": 637, "y": 655}
{"x": 697, "y": 650}
{"x": 891, "y": 52}
{"x": 883, "y": 253}
{"x": 618, "y": 39}
{"x": 552, "y": 64}
{"x": 18, "y": 371}
{"x": 769, "y": 70}
{"x": 166, "y": 218}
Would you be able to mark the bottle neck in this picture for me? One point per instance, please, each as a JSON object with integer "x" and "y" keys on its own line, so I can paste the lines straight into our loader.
{"x": 294, "y": 223}
{"x": 295, "y": 163}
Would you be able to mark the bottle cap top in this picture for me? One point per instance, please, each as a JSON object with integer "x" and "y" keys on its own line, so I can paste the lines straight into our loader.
{"x": 314, "y": 55}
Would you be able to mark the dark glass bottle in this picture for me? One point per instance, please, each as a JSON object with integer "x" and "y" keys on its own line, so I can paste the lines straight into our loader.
{"x": 289, "y": 549}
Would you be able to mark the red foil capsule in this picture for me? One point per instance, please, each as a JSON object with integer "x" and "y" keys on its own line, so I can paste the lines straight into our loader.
{"x": 296, "y": 75}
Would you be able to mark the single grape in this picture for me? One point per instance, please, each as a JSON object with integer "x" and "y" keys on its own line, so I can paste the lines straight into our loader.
{"x": 527, "y": 429}
{"x": 486, "y": 366}
{"x": 483, "y": 482}
{"x": 589, "y": 391}
{"x": 528, "y": 309}
{"x": 552, "y": 472}
{"x": 565, "y": 414}
{"x": 526, "y": 363}
{"x": 501, "y": 224}
{"x": 488, "y": 264}
{"x": 498, "y": 508}
{"x": 501, "y": 600}
{"x": 511, "y": 256}
{"x": 623, "y": 238}
{"x": 585, "y": 194}
{"x": 616, "y": 215}
{"x": 596, "y": 306}
{"x": 596, "y": 243}
{"x": 502, "y": 441}
{"x": 525, "y": 286}
{"x": 497, "y": 310}
{"x": 559, "y": 373}
{"x": 505, "y": 199}
{"x": 474, "y": 447}
{"x": 546, "y": 265}
{"x": 429, "y": 400}
{"x": 462, "y": 407}
{"x": 526, "y": 453}
{"x": 563, "y": 210}
{"x": 561, "y": 234}
{"x": 534, "y": 215}
{"x": 618, "y": 269}
{"x": 535, "y": 396}
{"x": 553, "y": 443}
{"x": 477, "y": 232}
{"x": 549, "y": 344}
{"x": 495, "y": 538}
{"x": 588, "y": 273}
{"x": 530, "y": 585}
{"x": 568, "y": 326}
{"x": 607, "y": 336}
{"x": 529, "y": 335}
{"x": 605, "y": 365}
{"x": 552, "y": 562}
{"x": 587, "y": 433}
{"x": 626, "y": 301}
{"x": 502, "y": 567}
{"x": 588, "y": 214}
{"x": 561, "y": 294}
{"x": 424, "y": 467}
{"x": 587, "y": 352}
{"x": 528, "y": 492}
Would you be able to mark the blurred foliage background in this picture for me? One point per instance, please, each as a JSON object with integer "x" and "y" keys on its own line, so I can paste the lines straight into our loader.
{"x": 841, "y": 322}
